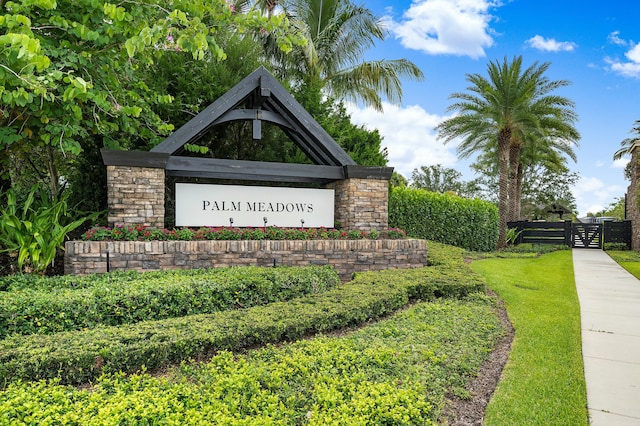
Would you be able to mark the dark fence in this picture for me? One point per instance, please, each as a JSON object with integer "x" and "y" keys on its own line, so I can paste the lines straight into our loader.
{"x": 573, "y": 234}
{"x": 618, "y": 232}
{"x": 542, "y": 232}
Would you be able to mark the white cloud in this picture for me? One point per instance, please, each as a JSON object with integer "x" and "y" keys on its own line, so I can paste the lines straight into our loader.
{"x": 630, "y": 68}
{"x": 634, "y": 54}
{"x": 620, "y": 164}
{"x": 593, "y": 195}
{"x": 550, "y": 45}
{"x": 614, "y": 39}
{"x": 458, "y": 27}
{"x": 409, "y": 136}
{"x": 599, "y": 164}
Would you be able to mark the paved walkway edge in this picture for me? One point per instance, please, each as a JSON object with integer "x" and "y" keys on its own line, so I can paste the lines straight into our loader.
{"x": 610, "y": 320}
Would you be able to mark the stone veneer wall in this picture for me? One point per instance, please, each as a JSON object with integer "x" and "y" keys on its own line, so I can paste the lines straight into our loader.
{"x": 361, "y": 203}
{"x": 632, "y": 204}
{"x": 346, "y": 256}
{"x": 135, "y": 196}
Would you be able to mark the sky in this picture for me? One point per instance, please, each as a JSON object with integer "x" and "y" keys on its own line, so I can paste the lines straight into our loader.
{"x": 595, "y": 45}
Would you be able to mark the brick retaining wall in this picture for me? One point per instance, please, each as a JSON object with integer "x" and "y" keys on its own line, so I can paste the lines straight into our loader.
{"x": 346, "y": 256}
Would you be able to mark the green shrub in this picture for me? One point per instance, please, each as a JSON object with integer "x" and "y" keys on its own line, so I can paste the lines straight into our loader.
{"x": 616, "y": 246}
{"x": 80, "y": 356}
{"x": 393, "y": 372}
{"x": 35, "y": 228}
{"x": 449, "y": 219}
{"x": 130, "y": 298}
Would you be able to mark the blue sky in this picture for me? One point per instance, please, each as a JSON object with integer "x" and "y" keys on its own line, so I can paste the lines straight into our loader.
{"x": 593, "y": 44}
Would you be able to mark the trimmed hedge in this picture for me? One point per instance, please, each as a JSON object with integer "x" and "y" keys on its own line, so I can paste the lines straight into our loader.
{"x": 129, "y": 298}
{"x": 449, "y": 219}
{"x": 81, "y": 356}
{"x": 395, "y": 372}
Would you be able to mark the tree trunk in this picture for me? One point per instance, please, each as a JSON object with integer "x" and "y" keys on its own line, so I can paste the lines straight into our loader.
{"x": 518, "y": 204}
{"x": 514, "y": 200}
{"x": 503, "y": 183}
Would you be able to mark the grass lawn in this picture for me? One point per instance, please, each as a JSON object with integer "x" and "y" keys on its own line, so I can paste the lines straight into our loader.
{"x": 543, "y": 381}
{"x": 629, "y": 260}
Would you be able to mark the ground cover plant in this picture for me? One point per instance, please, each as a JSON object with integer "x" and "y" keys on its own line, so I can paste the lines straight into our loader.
{"x": 543, "y": 381}
{"x": 80, "y": 356}
{"x": 399, "y": 370}
{"x": 395, "y": 372}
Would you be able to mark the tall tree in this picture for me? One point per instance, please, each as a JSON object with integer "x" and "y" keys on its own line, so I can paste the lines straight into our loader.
{"x": 506, "y": 110}
{"x": 626, "y": 145}
{"x": 70, "y": 69}
{"x": 546, "y": 180}
{"x": 540, "y": 154}
{"x": 337, "y": 34}
{"x": 436, "y": 178}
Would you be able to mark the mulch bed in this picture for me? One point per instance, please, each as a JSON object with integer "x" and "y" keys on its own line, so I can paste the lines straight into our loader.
{"x": 470, "y": 412}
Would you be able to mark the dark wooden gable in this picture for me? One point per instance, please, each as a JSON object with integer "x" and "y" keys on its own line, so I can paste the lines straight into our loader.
{"x": 259, "y": 97}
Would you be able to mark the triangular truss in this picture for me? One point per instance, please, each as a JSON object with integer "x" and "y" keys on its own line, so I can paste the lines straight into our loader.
{"x": 257, "y": 98}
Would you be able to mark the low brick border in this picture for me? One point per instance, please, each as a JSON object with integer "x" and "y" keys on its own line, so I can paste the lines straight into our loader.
{"x": 346, "y": 256}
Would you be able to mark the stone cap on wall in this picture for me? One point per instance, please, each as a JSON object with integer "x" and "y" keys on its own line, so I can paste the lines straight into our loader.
{"x": 114, "y": 157}
{"x": 368, "y": 172}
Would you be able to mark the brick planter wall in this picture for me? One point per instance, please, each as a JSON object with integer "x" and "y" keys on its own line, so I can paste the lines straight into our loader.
{"x": 346, "y": 256}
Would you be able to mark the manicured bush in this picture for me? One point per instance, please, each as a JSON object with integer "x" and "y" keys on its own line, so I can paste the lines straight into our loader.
{"x": 132, "y": 297}
{"x": 449, "y": 219}
{"x": 81, "y": 356}
{"x": 394, "y": 372}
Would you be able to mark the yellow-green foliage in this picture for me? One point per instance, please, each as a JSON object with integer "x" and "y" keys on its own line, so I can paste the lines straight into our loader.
{"x": 395, "y": 372}
{"x": 80, "y": 356}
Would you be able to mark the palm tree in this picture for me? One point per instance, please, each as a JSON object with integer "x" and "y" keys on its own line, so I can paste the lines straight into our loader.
{"x": 554, "y": 131}
{"x": 547, "y": 152}
{"x": 506, "y": 110}
{"x": 627, "y": 144}
{"x": 337, "y": 35}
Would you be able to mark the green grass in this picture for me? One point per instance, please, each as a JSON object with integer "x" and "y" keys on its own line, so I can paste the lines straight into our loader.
{"x": 543, "y": 381}
{"x": 629, "y": 260}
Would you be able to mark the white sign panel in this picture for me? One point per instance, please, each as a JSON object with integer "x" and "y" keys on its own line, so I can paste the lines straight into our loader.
{"x": 250, "y": 206}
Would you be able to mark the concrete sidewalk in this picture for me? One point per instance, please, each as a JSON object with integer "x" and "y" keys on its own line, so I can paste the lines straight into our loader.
{"x": 610, "y": 316}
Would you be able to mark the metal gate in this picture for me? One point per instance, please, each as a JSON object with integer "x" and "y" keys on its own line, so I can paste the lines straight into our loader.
{"x": 586, "y": 235}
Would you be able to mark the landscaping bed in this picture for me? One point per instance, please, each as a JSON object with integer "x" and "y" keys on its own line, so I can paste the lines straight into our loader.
{"x": 402, "y": 370}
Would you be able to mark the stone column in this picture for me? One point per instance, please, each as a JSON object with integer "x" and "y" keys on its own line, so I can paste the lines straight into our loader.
{"x": 632, "y": 201}
{"x": 135, "y": 188}
{"x": 362, "y": 200}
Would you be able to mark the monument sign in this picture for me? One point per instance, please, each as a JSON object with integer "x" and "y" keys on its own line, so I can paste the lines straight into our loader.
{"x": 253, "y": 206}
